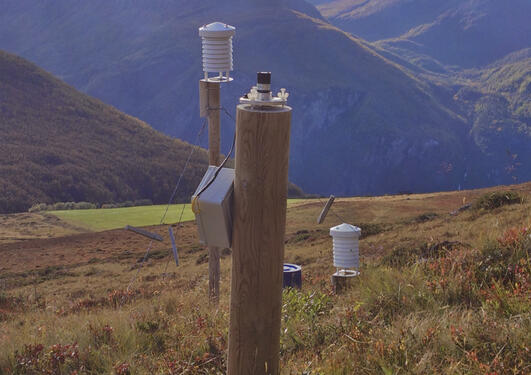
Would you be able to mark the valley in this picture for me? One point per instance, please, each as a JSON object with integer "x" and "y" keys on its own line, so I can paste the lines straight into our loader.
{"x": 394, "y": 118}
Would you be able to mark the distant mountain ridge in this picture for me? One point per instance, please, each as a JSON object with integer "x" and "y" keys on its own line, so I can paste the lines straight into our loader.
{"x": 461, "y": 33}
{"x": 475, "y": 50}
{"x": 362, "y": 123}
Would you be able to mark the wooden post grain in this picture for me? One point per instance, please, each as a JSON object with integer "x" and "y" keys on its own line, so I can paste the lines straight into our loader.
{"x": 259, "y": 218}
{"x": 209, "y": 105}
{"x": 213, "y": 123}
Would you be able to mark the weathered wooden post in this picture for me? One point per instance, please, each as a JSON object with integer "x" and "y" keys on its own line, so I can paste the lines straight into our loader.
{"x": 217, "y": 57}
{"x": 259, "y": 217}
{"x": 210, "y": 91}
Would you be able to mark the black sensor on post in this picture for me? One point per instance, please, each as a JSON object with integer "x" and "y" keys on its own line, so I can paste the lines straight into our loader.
{"x": 261, "y": 96}
{"x": 264, "y": 82}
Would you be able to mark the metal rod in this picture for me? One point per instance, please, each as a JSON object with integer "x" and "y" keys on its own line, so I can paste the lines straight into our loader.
{"x": 145, "y": 233}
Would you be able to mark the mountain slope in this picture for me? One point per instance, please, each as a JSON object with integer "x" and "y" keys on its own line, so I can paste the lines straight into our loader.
{"x": 437, "y": 40}
{"x": 467, "y": 34}
{"x": 60, "y": 145}
{"x": 498, "y": 103}
{"x": 362, "y": 124}
{"x": 382, "y": 19}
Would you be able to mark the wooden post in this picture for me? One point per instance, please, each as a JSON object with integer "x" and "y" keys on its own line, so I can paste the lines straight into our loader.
{"x": 259, "y": 218}
{"x": 209, "y": 105}
{"x": 213, "y": 123}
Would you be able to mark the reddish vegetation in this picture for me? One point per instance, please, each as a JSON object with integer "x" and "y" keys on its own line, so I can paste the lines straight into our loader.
{"x": 84, "y": 248}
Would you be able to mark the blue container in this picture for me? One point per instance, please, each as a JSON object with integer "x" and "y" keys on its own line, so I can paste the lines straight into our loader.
{"x": 292, "y": 276}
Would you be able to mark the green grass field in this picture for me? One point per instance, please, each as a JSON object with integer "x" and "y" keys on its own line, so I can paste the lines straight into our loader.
{"x": 114, "y": 218}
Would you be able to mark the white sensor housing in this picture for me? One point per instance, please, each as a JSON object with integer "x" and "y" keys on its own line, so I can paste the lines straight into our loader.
{"x": 346, "y": 250}
{"x": 217, "y": 50}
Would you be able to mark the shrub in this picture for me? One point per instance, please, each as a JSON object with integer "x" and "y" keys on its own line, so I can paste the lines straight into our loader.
{"x": 38, "y": 207}
{"x": 496, "y": 276}
{"x": 127, "y": 204}
{"x": 425, "y": 217}
{"x": 119, "y": 297}
{"x": 58, "y": 359}
{"x": 70, "y": 205}
{"x": 403, "y": 256}
{"x": 84, "y": 206}
{"x": 60, "y": 206}
{"x": 143, "y": 202}
{"x": 102, "y": 335}
{"x": 370, "y": 229}
{"x": 507, "y": 260}
{"x": 497, "y": 199}
{"x": 122, "y": 369}
{"x": 304, "y": 306}
{"x": 301, "y": 316}
{"x": 295, "y": 191}
{"x": 57, "y": 206}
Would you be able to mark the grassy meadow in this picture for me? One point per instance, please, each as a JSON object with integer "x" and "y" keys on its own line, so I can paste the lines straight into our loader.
{"x": 437, "y": 294}
{"x": 113, "y": 218}
{"x": 141, "y": 216}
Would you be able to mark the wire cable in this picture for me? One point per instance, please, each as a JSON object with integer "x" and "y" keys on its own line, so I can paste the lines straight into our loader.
{"x": 332, "y": 210}
{"x": 195, "y": 209}
{"x": 209, "y": 183}
{"x": 194, "y": 147}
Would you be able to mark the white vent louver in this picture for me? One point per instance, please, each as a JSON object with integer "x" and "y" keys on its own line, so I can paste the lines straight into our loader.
{"x": 217, "y": 50}
{"x": 346, "y": 250}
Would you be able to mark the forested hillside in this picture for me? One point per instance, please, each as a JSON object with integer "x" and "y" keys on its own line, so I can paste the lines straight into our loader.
{"x": 60, "y": 145}
{"x": 368, "y": 119}
{"x": 455, "y": 33}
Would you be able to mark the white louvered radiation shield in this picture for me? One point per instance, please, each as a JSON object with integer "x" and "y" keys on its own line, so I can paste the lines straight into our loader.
{"x": 346, "y": 249}
{"x": 217, "y": 50}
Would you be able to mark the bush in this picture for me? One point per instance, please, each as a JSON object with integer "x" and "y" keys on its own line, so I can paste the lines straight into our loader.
{"x": 405, "y": 256}
{"x": 58, "y": 206}
{"x": 58, "y": 359}
{"x": 127, "y": 204}
{"x": 38, "y": 207}
{"x": 297, "y": 305}
{"x": 85, "y": 206}
{"x": 143, "y": 202}
{"x": 70, "y": 205}
{"x": 425, "y": 217}
{"x": 295, "y": 191}
{"x": 497, "y": 199}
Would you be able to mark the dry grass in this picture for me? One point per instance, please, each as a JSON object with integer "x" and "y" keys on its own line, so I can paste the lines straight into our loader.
{"x": 28, "y": 226}
{"x": 426, "y": 311}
